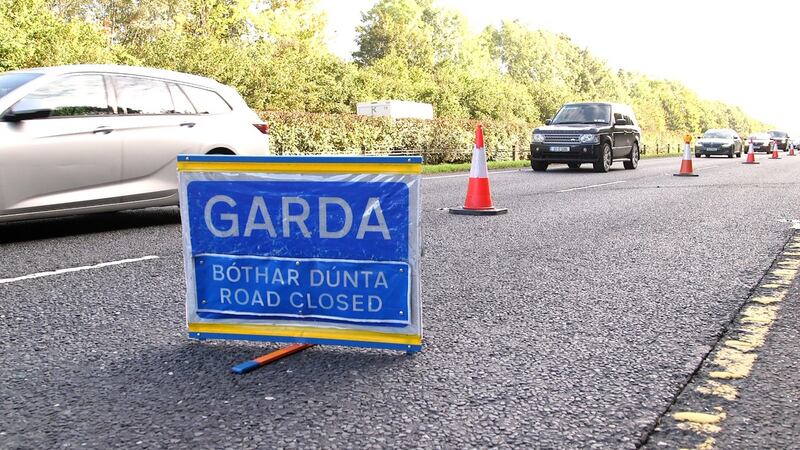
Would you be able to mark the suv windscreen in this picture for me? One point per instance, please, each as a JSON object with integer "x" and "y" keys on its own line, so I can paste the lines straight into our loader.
{"x": 717, "y": 135}
{"x": 11, "y": 81}
{"x": 589, "y": 114}
{"x": 777, "y": 134}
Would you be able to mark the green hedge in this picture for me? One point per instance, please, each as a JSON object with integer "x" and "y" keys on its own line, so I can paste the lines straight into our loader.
{"x": 437, "y": 140}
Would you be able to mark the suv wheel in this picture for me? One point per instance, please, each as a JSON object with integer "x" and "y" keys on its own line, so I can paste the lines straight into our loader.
{"x": 538, "y": 166}
{"x": 634, "y": 160}
{"x": 604, "y": 164}
{"x": 730, "y": 153}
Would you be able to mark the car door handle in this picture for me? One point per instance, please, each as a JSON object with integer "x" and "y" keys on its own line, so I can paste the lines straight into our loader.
{"x": 188, "y": 124}
{"x": 103, "y": 130}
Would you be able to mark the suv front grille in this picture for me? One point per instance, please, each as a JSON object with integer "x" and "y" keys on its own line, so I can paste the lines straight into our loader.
{"x": 561, "y": 139}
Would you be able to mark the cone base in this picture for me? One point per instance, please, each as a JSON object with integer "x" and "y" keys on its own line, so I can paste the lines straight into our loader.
{"x": 751, "y": 162}
{"x": 685, "y": 175}
{"x": 478, "y": 212}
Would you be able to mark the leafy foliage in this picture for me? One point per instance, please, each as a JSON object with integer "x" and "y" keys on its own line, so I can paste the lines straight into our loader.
{"x": 274, "y": 53}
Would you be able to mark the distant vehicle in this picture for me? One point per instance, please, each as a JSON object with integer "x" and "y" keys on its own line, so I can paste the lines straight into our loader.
{"x": 722, "y": 141}
{"x": 595, "y": 133}
{"x": 761, "y": 142}
{"x": 781, "y": 138}
{"x": 95, "y": 138}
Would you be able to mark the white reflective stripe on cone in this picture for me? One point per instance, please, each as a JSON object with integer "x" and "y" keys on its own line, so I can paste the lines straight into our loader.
{"x": 687, "y": 151}
{"x": 478, "y": 168}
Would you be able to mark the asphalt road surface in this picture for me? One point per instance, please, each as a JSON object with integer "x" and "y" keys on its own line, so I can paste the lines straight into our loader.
{"x": 572, "y": 322}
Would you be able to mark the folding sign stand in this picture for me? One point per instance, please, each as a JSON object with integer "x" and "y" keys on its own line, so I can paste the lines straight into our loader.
{"x": 305, "y": 250}
{"x": 271, "y": 357}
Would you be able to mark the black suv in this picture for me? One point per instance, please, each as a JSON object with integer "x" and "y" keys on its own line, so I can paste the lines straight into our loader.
{"x": 596, "y": 133}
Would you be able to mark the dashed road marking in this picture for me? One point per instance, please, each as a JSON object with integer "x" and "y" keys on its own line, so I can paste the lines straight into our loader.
{"x": 590, "y": 186}
{"x": 75, "y": 269}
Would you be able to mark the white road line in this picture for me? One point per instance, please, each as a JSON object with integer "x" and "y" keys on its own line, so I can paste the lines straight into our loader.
{"x": 74, "y": 269}
{"x": 434, "y": 177}
{"x": 591, "y": 186}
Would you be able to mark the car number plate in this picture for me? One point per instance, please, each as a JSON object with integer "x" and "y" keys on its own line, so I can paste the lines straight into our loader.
{"x": 559, "y": 149}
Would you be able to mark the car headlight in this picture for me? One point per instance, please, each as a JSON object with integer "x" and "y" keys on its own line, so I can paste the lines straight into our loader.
{"x": 589, "y": 139}
{"x": 699, "y": 144}
{"x": 727, "y": 145}
{"x": 538, "y": 137}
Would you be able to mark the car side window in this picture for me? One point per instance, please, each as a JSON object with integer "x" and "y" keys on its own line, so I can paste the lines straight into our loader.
{"x": 628, "y": 120}
{"x": 181, "y": 102}
{"x": 142, "y": 96}
{"x": 74, "y": 95}
{"x": 205, "y": 101}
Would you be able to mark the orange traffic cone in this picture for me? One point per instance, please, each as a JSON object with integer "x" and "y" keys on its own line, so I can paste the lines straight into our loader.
{"x": 686, "y": 163}
{"x": 791, "y": 150}
{"x": 479, "y": 196}
{"x": 751, "y": 155}
{"x": 775, "y": 150}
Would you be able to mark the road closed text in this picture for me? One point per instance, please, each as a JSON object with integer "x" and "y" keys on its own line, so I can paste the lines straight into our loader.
{"x": 348, "y": 291}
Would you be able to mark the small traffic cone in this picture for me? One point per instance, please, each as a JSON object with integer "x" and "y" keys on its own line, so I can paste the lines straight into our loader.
{"x": 791, "y": 150}
{"x": 751, "y": 155}
{"x": 479, "y": 196}
{"x": 775, "y": 150}
{"x": 686, "y": 163}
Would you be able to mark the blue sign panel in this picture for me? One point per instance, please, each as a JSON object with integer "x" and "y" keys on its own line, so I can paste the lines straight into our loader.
{"x": 304, "y": 249}
{"x": 301, "y": 219}
{"x": 236, "y": 287}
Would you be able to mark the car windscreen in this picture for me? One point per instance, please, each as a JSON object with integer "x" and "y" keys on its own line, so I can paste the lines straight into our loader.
{"x": 11, "y": 81}
{"x": 717, "y": 135}
{"x": 583, "y": 114}
{"x": 777, "y": 134}
{"x": 760, "y": 137}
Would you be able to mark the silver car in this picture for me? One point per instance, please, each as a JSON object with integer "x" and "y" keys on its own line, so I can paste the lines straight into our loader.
{"x": 93, "y": 138}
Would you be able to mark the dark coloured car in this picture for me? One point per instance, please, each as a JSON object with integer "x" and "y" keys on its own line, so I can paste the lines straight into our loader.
{"x": 781, "y": 138}
{"x": 587, "y": 133}
{"x": 724, "y": 142}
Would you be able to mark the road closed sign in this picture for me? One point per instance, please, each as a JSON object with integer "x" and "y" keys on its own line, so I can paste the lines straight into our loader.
{"x": 319, "y": 250}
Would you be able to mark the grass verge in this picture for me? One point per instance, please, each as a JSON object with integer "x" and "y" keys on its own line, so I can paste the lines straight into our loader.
{"x": 493, "y": 165}
{"x": 444, "y": 168}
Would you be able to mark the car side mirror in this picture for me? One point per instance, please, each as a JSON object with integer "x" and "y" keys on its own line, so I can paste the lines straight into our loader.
{"x": 19, "y": 116}
{"x": 620, "y": 122}
{"x": 548, "y": 121}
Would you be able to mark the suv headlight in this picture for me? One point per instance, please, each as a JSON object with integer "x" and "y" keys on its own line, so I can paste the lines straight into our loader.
{"x": 538, "y": 137}
{"x": 699, "y": 144}
{"x": 589, "y": 139}
{"x": 727, "y": 145}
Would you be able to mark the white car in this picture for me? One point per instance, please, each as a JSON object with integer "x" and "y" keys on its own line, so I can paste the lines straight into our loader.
{"x": 92, "y": 138}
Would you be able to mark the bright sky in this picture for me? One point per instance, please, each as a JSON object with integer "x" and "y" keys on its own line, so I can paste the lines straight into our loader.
{"x": 746, "y": 53}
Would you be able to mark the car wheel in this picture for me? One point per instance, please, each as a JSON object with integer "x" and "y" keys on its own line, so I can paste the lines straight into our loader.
{"x": 538, "y": 166}
{"x": 574, "y": 165}
{"x": 633, "y": 162}
{"x": 604, "y": 164}
{"x": 698, "y": 155}
{"x": 730, "y": 154}
{"x": 739, "y": 155}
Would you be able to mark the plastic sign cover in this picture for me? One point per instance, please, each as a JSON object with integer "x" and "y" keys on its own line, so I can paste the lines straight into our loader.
{"x": 302, "y": 249}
